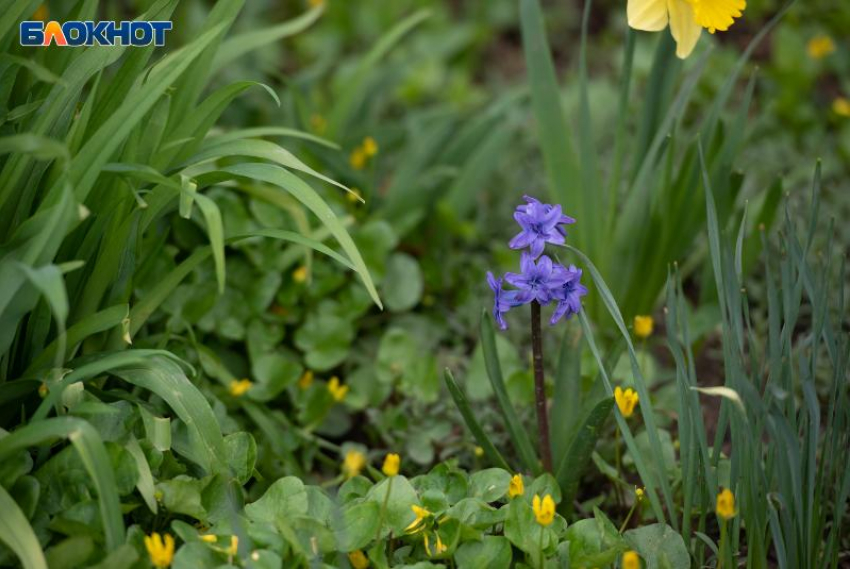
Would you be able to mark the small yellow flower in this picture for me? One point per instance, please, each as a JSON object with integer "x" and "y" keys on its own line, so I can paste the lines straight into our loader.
{"x": 161, "y": 552}
{"x": 369, "y": 146}
{"x": 421, "y": 514}
{"x": 357, "y": 159}
{"x": 354, "y": 195}
{"x": 544, "y": 510}
{"x": 820, "y": 46}
{"x": 234, "y": 545}
{"x": 631, "y": 560}
{"x": 238, "y": 387}
{"x": 516, "y": 487}
{"x": 41, "y": 14}
{"x": 354, "y": 462}
{"x": 300, "y": 274}
{"x": 440, "y": 547}
{"x": 626, "y": 400}
{"x": 338, "y": 391}
{"x": 640, "y": 494}
{"x": 208, "y": 538}
{"x": 643, "y": 326}
{"x": 306, "y": 380}
{"x": 726, "y": 504}
{"x": 841, "y": 107}
{"x": 358, "y": 559}
{"x": 479, "y": 452}
{"x": 318, "y": 123}
{"x": 391, "y": 464}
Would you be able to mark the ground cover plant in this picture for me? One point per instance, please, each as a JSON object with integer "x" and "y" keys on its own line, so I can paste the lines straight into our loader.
{"x": 426, "y": 284}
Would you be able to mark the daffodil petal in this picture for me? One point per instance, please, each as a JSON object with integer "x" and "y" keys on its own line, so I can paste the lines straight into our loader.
{"x": 647, "y": 15}
{"x": 683, "y": 26}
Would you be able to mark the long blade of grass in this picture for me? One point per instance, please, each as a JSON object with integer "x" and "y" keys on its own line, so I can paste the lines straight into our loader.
{"x": 18, "y": 535}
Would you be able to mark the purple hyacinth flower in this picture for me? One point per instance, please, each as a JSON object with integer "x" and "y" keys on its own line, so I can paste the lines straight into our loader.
{"x": 537, "y": 280}
{"x": 503, "y": 300}
{"x": 541, "y": 223}
{"x": 568, "y": 295}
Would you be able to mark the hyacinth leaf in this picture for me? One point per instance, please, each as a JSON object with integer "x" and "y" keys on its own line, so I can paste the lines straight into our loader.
{"x": 89, "y": 446}
{"x": 472, "y": 423}
{"x": 18, "y": 535}
{"x": 578, "y": 456}
{"x": 519, "y": 435}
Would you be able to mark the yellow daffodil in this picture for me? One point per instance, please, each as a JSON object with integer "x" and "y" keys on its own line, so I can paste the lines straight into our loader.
{"x": 300, "y": 274}
{"x": 238, "y": 387}
{"x": 686, "y": 18}
{"x": 820, "y": 46}
{"x": 306, "y": 380}
{"x": 726, "y": 504}
{"x": 358, "y": 559}
{"x": 353, "y": 463}
{"x": 643, "y": 326}
{"x": 338, "y": 390}
{"x": 841, "y": 107}
{"x": 516, "y": 487}
{"x": 234, "y": 545}
{"x": 391, "y": 464}
{"x": 544, "y": 510}
{"x": 421, "y": 514}
{"x": 626, "y": 400}
{"x": 369, "y": 146}
{"x": 160, "y": 549}
{"x": 631, "y": 560}
{"x": 208, "y": 538}
{"x": 318, "y": 123}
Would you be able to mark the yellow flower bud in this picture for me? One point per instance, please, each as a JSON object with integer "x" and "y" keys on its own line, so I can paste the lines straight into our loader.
{"x": 643, "y": 326}
{"x": 353, "y": 463}
{"x": 516, "y": 487}
{"x": 391, "y": 464}
{"x": 358, "y": 560}
{"x": 626, "y": 400}
{"x": 631, "y": 560}
{"x": 160, "y": 551}
{"x": 338, "y": 391}
{"x": 238, "y": 387}
{"x": 544, "y": 510}
{"x": 820, "y": 46}
{"x": 726, "y": 504}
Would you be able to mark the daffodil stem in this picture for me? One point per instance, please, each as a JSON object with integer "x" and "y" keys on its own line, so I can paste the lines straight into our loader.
{"x": 384, "y": 508}
{"x": 540, "y": 387}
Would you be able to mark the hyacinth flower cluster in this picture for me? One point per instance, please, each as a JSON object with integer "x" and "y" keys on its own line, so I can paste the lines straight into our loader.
{"x": 540, "y": 279}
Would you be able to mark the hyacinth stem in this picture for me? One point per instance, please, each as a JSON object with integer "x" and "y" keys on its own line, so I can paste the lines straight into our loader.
{"x": 540, "y": 387}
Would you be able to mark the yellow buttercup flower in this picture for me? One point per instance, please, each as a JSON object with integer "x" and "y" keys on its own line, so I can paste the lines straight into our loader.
{"x": 338, "y": 391}
{"x": 626, "y": 400}
{"x": 841, "y": 107}
{"x": 357, "y": 159}
{"x": 516, "y": 487}
{"x": 369, "y": 146}
{"x": 439, "y": 547}
{"x": 161, "y": 551}
{"x": 234, "y": 545}
{"x": 820, "y": 46}
{"x": 726, "y": 504}
{"x": 208, "y": 538}
{"x": 391, "y": 464}
{"x": 238, "y": 387}
{"x": 640, "y": 494}
{"x": 643, "y": 326}
{"x": 300, "y": 274}
{"x": 716, "y": 15}
{"x": 631, "y": 560}
{"x": 306, "y": 380}
{"x": 354, "y": 462}
{"x": 354, "y": 195}
{"x": 318, "y": 123}
{"x": 421, "y": 514}
{"x": 358, "y": 559}
{"x": 544, "y": 510}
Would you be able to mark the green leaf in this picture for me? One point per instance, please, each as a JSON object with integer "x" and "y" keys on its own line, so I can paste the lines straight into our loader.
{"x": 402, "y": 284}
{"x": 16, "y": 532}
{"x": 578, "y": 456}
{"x": 286, "y": 498}
{"x": 660, "y": 547}
{"x": 490, "y": 552}
{"x": 357, "y": 525}
{"x": 489, "y": 484}
{"x": 594, "y": 542}
{"x": 241, "y": 455}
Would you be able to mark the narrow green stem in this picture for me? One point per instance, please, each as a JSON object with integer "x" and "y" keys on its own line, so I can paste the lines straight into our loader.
{"x": 629, "y": 516}
{"x": 722, "y": 548}
{"x": 617, "y": 490}
{"x": 540, "y": 388}
{"x": 384, "y": 508}
{"x": 540, "y": 548}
